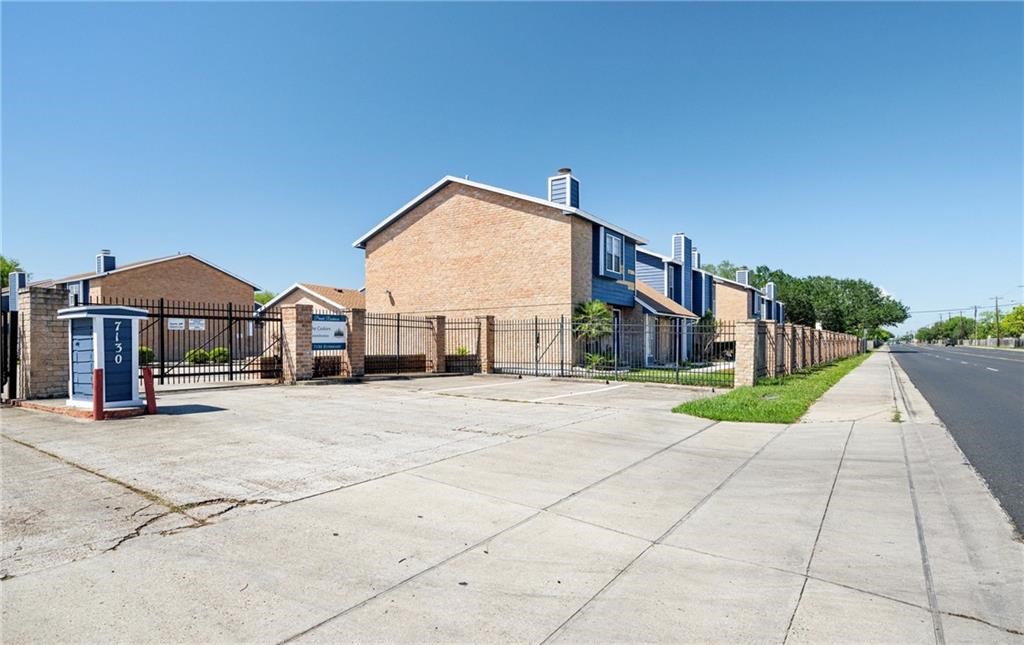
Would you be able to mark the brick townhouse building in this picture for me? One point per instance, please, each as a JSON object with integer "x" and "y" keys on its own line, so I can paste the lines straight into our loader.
{"x": 462, "y": 248}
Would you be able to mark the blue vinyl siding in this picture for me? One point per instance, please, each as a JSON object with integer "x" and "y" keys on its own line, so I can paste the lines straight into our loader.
{"x": 709, "y": 293}
{"x": 697, "y": 287}
{"x": 650, "y": 270}
{"x": 611, "y": 287}
{"x": 81, "y": 358}
{"x": 574, "y": 193}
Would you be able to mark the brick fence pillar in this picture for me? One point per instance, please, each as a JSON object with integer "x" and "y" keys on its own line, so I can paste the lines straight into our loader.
{"x": 818, "y": 346}
{"x": 355, "y": 345}
{"x": 486, "y": 344}
{"x": 437, "y": 347}
{"x": 789, "y": 358}
{"x": 297, "y": 337}
{"x": 747, "y": 355}
{"x": 44, "y": 368}
{"x": 771, "y": 348}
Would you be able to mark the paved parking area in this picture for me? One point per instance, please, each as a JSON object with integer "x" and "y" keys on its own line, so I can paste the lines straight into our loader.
{"x": 478, "y": 509}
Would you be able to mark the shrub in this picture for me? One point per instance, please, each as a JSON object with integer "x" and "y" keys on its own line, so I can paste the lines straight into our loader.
{"x": 462, "y": 350}
{"x": 146, "y": 355}
{"x": 219, "y": 355}
{"x": 197, "y": 356}
{"x": 596, "y": 361}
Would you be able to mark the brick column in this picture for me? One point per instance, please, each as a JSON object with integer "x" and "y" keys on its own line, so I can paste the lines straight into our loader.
{"x": 355, "y": 346}
{"x": 44, "y": 368}
{"x": 771, "y": 348}
{"x": 806, "y": 355}
{"x": 297, "y": 337}
{"x": 790, "y": 342}
{"x": 746, "y": 352}
{"x": 817, "y": 346}
{"x": 486, "y": 344}
{"x": 437, "y": 348}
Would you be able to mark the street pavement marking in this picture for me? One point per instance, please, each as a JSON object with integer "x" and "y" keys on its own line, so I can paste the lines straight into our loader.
{"x": 963, "y": 362}
{"x": 991, "y": 369}
{"x": 562, "y": 396}
{"x": 473, "y": 387}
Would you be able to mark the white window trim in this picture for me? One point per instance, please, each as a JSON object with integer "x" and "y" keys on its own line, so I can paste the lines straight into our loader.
{"x": 604, "y": 252}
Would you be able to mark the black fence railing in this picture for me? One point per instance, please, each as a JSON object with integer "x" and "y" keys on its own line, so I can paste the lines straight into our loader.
{"x": 462, "y": 345}
{"x": 659, "y": 350}
{"x": 398, "y": 344}
{"x": 192, "y": 342}
{"x": 9, "y": 350}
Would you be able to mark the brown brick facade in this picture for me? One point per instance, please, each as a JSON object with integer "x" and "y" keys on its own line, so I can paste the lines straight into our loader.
{"x": 732, "y": 302}
{"x": 468, "y": 252}
{"x": 182, "y": 279}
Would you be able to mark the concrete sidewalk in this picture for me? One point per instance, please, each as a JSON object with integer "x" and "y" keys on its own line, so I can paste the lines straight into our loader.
{"x": 554, "y": 523}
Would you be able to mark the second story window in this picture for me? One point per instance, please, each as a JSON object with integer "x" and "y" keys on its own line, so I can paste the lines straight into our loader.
{"x": 613, "y": 253}
{"x": 670, "y": 276}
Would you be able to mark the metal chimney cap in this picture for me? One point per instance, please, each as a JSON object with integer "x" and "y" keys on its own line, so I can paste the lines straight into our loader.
{"x": 565, "y": 171}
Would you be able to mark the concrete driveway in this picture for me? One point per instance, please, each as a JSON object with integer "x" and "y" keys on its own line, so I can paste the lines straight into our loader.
{"x": 480, "y": 509}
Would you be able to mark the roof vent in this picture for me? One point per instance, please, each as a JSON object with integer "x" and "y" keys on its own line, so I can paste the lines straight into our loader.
{"x": 743, "y": 275}
{"x": 564, "y": 188}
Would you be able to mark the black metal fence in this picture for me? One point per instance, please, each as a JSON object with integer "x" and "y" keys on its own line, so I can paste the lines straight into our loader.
{"x": 660, "y": 350}
{"x": 9, "y": 349}
{"x": 462, "y": 345}
{"x": 398, "y": 344}
{"x": 191, "y": 342}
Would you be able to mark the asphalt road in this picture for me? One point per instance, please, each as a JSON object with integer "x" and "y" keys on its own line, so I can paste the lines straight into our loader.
{"x": 979, "y": 395}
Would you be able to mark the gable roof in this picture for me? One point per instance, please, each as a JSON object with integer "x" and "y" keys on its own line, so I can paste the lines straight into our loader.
{"x": 449, "y": 179}
{"x": 657, "y": 303}
{"x": 332, "y": 296}
{"x": 141, "y": 263}
{"x": 663, "y": 258}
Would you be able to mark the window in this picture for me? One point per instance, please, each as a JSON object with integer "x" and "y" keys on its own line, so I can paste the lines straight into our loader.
{"x": 671, "y": 277}
{"x": 612, "y": 253}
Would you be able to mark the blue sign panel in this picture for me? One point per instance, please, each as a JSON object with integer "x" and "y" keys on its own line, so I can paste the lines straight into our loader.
{"x": 82, "y": 359}
{"x": 330, "y": 331}
{"x": 118, "y": 347}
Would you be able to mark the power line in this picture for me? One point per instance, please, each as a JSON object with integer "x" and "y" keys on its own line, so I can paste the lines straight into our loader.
{"x": 946, "y": 310}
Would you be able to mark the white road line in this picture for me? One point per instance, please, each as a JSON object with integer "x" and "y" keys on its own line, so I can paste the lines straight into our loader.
{"x": 473, "y": 387}
{"x": 963, "y": 362}
{"x": 991, "y": 369}
{"x": 562, "y": 396}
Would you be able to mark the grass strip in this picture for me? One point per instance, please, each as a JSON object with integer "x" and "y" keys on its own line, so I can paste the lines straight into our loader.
{"x": 773, "y": 400}
{"x": 722, "y": 378}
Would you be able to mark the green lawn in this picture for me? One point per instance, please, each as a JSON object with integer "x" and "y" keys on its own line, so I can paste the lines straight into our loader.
{"x": 774, "y": 401}
{"x": 717, "y": 378}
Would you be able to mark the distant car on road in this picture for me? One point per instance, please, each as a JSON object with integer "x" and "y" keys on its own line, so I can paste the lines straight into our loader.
{"x": 950, "y": 342}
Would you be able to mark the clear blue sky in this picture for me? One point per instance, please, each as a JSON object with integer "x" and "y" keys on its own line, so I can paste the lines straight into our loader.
{"x": 864, "y": 140}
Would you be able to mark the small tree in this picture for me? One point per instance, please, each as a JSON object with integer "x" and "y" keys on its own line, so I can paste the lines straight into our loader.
{"x": 592, "y": 320}
{"x": 263, "y": 297}
{"x": 7, "y": 266}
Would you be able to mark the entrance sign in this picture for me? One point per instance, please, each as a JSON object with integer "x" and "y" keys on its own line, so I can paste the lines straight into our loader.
{"x": 197, "y": 324}
{"x": 330, "y": 331}
{"x": 104, "y": 337}
{"x": 175, "y": 324}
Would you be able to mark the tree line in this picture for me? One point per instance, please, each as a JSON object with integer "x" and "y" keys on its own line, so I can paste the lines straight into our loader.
{"x": 849, "y": 305}
{"x": 1010, "y": 324}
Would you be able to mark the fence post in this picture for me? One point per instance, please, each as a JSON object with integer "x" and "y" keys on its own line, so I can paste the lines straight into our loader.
{"x": 355, "y": 345}
{"x": 770, "y": 348}
{"x": 486, "y": 344}
{"x": 561, "y": 346}
{"x": 297, "y": 342}
{"x": 746, "y": 352}
{"x": 536, "y": 346}
{"x": 398, "y": 343}
{"x": 12, "y": 350}
{"x": 45, "y": 364}
{"x": 231, "y": 342}
{"x": 438, "y": 347}
{"x": 163, "y": 328}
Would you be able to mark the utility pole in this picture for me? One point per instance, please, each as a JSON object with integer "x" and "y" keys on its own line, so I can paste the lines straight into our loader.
{"x": 975, "y": 322}
{"x": 960, "y": 322}
{"x": 998, "y": 337}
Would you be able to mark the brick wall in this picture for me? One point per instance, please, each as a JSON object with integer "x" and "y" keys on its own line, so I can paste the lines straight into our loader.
{"x": 183, "y": 279}
{"x": 297, "y": 342}
{"x": 731, "y": 302}
{"x": 467, "y": 252}
{"x": 44, "y": 368}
